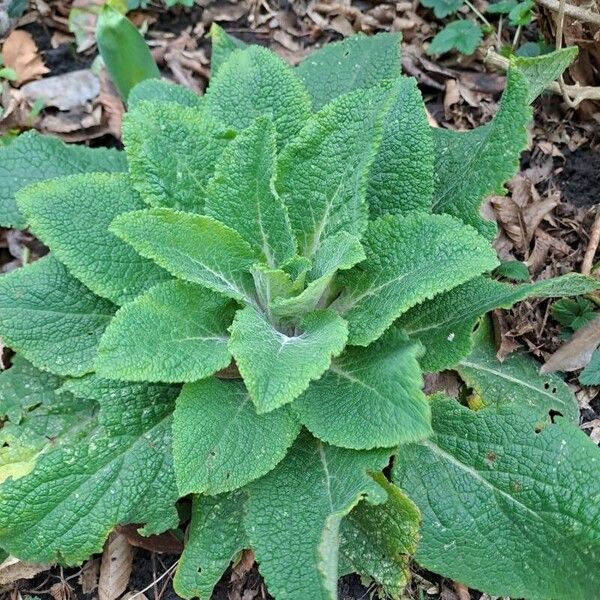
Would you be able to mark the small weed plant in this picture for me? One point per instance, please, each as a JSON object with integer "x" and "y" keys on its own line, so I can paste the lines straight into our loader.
{"x": 238, "y": 310}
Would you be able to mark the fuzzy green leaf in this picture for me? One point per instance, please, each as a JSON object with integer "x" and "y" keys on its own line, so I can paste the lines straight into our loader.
{"x": 255, "y": 82}
{"x": 463, "y": 35}
{"x": 72, "y": 216}
{"x": 322, "y": 175}
{"x": 220, "y": 443}
{"x": 591, "y": 374}
{"x": 272, "y": 284}
{"x": 276, "y": 366}
{"x": 172, "y": 151}
{"x": 175, "y": 332}
{"x": 515, "y": 379}
{"x": 369, "y": 397}
{"x": 66, "y": 507}
{"x": 445, "y": 324}
{"x": 33, "y": 157}
{"x": 51, "y": 318}
{"x": 192, "y": 247}
{"x": 35, "y": 418}
{"x": 215, "y": 537}
{"x": 443, "y": 8}
{"x": 299, "y": 506}
{"x": 222, "y": 45}
{"x": 409, "y": 259}
{"x": 378, "y": 540}
{"x": 573, "y": 312}
{"x": 401, "y": 177}
{"x": 241, "y": 195}
{"x": 358, "y": 62}
{"x": 513, "y": 508}
{"x": 158, "y": 90}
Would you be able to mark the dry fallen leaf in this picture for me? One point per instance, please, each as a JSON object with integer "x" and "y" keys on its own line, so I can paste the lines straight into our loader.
{"x": 88, "y": 578}
{"x": 12, "y": 569}
{"x": 20, "y": 53}
{"x": 115, "y": 569}
{"x": 577, "y": 352}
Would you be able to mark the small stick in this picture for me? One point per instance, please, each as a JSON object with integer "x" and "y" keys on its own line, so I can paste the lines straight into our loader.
{"x": 590, "y": 251}
{"x": 571, "y": 10}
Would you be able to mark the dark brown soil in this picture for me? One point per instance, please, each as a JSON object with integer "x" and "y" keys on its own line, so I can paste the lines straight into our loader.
{"x": 580, "y": 181}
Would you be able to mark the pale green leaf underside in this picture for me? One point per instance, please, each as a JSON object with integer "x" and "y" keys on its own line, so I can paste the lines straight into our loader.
{"x": 191, "y": 247}
{"x": 66, "y": 507}
{"x": 358, "y": 62}
{"x": 370, "y": 397}
{"x": 172, "y": 151}
{"x": 158, "y": 90}
{"x": 591, "y": 374}
{"x": 215, "y": 537}
{"x": 255, "y": 82}
{"x": 277, "y": 367}
{"x": 72, "y": 216}
{"x": 175, "y": 332}
{"x": 513, "y": 511}
{"x": 51, "y": 318}
{"x": 401, "y": 177}
{"x": 445, "y": 324}
{"x": 272, "y": 284}
{"x": 409, "y": 259}
{"x": 220, "y": 443}
{"x": 515, "y": 380}
{"x": 35, "y": 418}
{"x": 241, "y": 196}
{"x": 321, "y": 176}
{"x": 377, "y": 540}
{"x": 298, "y": 507}
{"x": 32, "y": 157}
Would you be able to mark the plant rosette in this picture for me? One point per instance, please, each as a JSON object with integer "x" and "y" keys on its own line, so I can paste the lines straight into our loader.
{"x": 309, "y": 228}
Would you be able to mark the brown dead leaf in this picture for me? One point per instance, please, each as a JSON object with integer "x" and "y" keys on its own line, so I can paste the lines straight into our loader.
{"x": 594, "y": 428}
{"x": 577, "y": 352}
{"x": 164, "y": 543}
{"x": 12, "y": 569}
{"x": 115, "y": 569}
{"x": 112, "y": 104}
{"x": 61, "y": 591}
{"x": 88, "y": 578}
{"x": 445, "y": 381}
{"x": 20, "y": 53}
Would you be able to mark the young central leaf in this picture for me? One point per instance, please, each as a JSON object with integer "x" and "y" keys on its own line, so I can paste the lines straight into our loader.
{"x": 241, "y": 195}
{"x": 409, "y": 259}
{"x": 370, "y": 397}
{"x": 175, "y": 332}
{"x": 277, "y": 367}
{"x": 220, "y": 443}
{"x": 192, "y": 247}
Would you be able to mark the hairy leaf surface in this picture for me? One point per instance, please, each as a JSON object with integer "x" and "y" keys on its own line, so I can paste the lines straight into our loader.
{"x": 175, "y": 332}
{"x": 409, "y": 259}
{"x": 32, "y": 157}
{"x": 220, "y": 443}
{"x": 307, "y": 495}
{"x": 370, "y": 397}
{"x": 51, "y": 318}
{"x": 511, "y": 509}
{"x": 72, "y": 216}
{"x": 222, "y": 45}
{"x": 158, "y": 90}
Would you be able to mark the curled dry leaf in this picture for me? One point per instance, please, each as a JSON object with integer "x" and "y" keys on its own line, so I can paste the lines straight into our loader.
{"x": 577, "y": 352}
{"x": 115, "y": 569}
{"x": 12, "y": 569}
{"x": 20, "y": 53}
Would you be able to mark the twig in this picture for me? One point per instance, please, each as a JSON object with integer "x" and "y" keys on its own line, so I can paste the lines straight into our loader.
{"x": 592, "y": 246}
{"x": 478, "y": 14}
{"x": 559, "y": 36}
{"x": 571, "y": 10}
{"x": 165, "y": 574}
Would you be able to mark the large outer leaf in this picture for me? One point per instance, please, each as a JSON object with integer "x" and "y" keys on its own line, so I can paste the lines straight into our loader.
{"x": 35, "y": 418}
{"x": 222, "y": 45}
{"x": 72, "y": 215}
{"x": 255, "y": 82}
{"x": 322, "y": 175}
{"x": 515, "y": 379}
{"x": 215, "y": 536}
{"x": 510, "y": 505}
{"x": 241, "y": 194}
{"x": 358, "y": 62}
{"x": 409, "y": 259}
{"x": 120, "y": 472}
{"x": 192, "y": 247}
{"x": 158, "y": 90}
{"x": 277, "y": 367}
{"x": 33, "y": 157}
{"x": 445, "y": 324}
{"x": 401, "y": 177}
{"x": 51, "y": 318}
{"x": 172, "y": 151}
{"x": 294, "y": 515}
{"x": 175, "y": 332}
{"x": 220, "y": 443}
{"x": 369, "y": 397}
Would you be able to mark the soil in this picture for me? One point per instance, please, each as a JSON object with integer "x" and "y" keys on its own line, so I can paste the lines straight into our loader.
{"x": 580, "y": 180}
